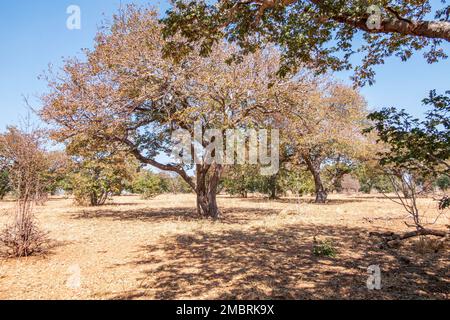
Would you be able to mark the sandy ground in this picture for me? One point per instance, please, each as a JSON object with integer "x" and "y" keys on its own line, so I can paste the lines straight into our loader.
{"x": 159, "y": 249}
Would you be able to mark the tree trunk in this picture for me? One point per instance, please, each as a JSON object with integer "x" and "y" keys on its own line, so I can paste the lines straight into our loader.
{"x": 98, "y": 199}
{"x": 273, "y": 192}
{"x": 207, "y": 192}
{"x": 336, "y": 181}
{"x": 103, "y": 198}
{"x": 93, "y": 199}
{"x": 273, "y": 187}
{"x": 321, "y": 192}
{"x": 369, "y": 188}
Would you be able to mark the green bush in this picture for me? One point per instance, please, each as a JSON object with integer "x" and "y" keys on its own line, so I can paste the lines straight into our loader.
{"x": 371, "y": 177}
{"x": 5, "y": 184}
{"x": 176, "y": 185}
{"x": 97, "y": 179}
{"x": 149, "y": 185}
{"x": 324, "y": 249}
{"x": 443, "y": 182}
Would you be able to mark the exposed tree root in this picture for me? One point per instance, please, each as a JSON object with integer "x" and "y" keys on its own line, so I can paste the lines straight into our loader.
{"x": 391, "y": 239}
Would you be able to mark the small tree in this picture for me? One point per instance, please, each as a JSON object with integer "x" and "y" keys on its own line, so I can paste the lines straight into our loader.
{"x": 98, "y": 177}
{"x": 23, "y": 155}
{"x": 23, "y": 152}
{"x": 60, "y": 167}
{"x": 372, "y": 177}
{"x": 97, "y": 170}
{"x": 323, "y": 122}
{"x": 418, "y": 150}
{"x": 242, "y": 180}
{"x": 299, "y": 181}
{"x": 176, "y": 184}
{"x": 335, "y": 171}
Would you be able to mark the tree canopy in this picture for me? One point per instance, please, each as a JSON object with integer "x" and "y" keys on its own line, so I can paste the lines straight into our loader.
{"x": 415, "y": 144}
{"x": 126, "y": 93}
{"x": 323, "y": 125}
{"x": 323, "y": 34}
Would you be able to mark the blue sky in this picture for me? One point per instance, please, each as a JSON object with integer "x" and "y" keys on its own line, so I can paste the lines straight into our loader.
{"x": 33, "y": 34}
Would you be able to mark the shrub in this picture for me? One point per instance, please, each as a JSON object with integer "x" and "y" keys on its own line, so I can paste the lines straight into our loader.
{"x": 149, "y": 185}
{"x": 444, "y": 203}
{"x": 98, "y": 176}
{"x": 23, "y": 237}
{"x": 23, "y": 151}
{"x": 443, "y": 182}
{"x": 89, "y": 190}
{"x": 5, "y": 183}
{"x": 324, "y": 249}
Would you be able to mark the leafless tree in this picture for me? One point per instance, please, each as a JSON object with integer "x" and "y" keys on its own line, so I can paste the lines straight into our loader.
{"x": 22, "y": 236}
{"x": 406, "y": 194}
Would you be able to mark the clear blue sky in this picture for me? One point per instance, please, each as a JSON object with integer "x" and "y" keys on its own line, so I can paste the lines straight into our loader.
{"x": 33, "y": 34}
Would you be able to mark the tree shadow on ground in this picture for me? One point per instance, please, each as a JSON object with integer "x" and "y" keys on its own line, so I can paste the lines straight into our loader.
{"x": 155, "y": 215}
{"x": 279, "y": 264}
{"x": 303, "y": 201}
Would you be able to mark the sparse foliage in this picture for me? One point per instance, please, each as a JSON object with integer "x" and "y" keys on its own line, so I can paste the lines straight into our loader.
{"x": 443, "y": 182}
{"x": 23, "y": 151}
{"x": 418, "y": 150}
{"x": 414, "y": 144}
{"x": 241, "y": 180}
{"x": 177, "y": 185}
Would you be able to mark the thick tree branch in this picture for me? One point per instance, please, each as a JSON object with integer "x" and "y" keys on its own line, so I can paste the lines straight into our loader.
{"x": 427, "y": 29}
{"x": 164, "y": 167}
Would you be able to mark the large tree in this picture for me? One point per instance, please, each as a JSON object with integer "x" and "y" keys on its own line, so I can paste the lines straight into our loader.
{"x": 128, "y": 94}
{"x": 324, "y": 34}
{"x": 324, "y": 123}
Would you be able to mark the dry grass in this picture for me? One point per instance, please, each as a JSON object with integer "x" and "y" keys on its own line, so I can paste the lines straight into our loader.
{"x": 158, "y": 249}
